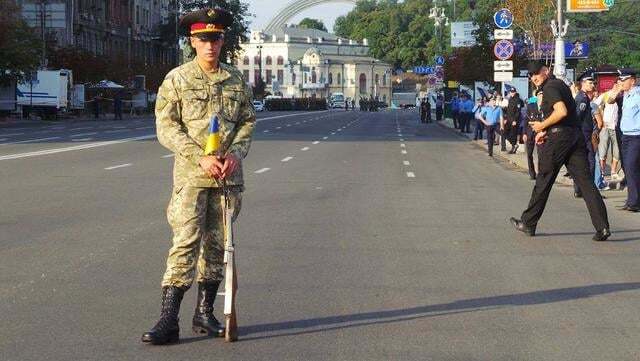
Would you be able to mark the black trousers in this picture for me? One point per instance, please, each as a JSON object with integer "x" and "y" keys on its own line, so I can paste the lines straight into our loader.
{"x": 531, "y": 145}
{"x": 456, "y": 119}
{"x": 491, "y": 136}
{"x": 591, "y": 155}
{"x": 438, "y": 113}
{"x": 565, "y": 147}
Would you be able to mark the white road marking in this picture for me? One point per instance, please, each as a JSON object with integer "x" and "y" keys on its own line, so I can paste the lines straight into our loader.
{"x": 403, "y": 145}
{"x": 262, "y": 170}
{"x": 406, "y": 162}
{"x": 411, "y": 175}
{"x": 116, "y": 131}
{"x": 278, "y": 127}
{"x": 266, "y": 131}
{"x": 325, "y": 138}
{"x": 339, "y": 130}
{"x": 75, "y": 147}
{"x": 316, "y": 142}
{"x": 31, "y": 140}
{"x": 83, "y": 134}
{"x": 168, "y": 156}
{"x": 403, "y": 151}
{"x": 11, "y": 134}
{"x": 333, "y": 133}
{"x": 286, "y": 159}
{"x": 304, "y": 149}
{"x": 81, "y": 128}
{"x": 81, "y": 139}
{"x": 399, "y": 135}
{"x": 290, "y": 115}
{"x": 288, "y": 125}
{"x": 118, "y": 166}
{"x": 402, "y": 139}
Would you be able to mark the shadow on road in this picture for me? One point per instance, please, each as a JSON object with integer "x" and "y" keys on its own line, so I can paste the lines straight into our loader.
{"x": 613, "y": 238}
{"x": 323, "y": 324}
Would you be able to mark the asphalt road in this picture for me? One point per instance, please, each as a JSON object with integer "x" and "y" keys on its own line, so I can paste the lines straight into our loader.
{"x": 363, "y": 236}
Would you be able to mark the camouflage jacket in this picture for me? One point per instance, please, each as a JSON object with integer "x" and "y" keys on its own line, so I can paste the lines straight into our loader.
{"x": 185, "y": 103}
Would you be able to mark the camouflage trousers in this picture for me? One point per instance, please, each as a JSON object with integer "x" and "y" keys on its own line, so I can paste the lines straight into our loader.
{"x": 195, "y": 216}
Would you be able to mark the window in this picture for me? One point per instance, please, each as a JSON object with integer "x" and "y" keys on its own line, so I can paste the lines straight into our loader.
{"x": 269, "y": 61}
{"x": 256, "y": 60}
{"x": 314, "y": 77}
{"x": 280, "y": 60}
{"x": 245, "y": 60}
{"x": 384, "y": 79}
{"x": 256, "y": 77}
{"x": 363, "y": 84}
{"x": 330, "y": 78}
{"x": 280, "y": 76}
{"x": 269, "y": 75}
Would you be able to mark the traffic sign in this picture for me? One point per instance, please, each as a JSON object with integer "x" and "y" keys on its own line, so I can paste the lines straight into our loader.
{"x": 439, "y": 60}
{"x": 505, "y": 65}
{"x": 502, "y": 76}
{"x": 503, "y": 18}
{"x": 503, "y": 50}
{"x": 503, "y": 34}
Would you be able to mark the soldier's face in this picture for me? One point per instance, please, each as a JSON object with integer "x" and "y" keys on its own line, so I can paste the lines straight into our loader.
{"x": 207, "y": 50}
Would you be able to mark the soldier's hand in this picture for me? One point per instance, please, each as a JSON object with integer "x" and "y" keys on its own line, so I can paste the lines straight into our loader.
{"x": 541, "y": 137}
{"x": 229, "y": 165}
{"x": 537, "y": 126}
{"x": 211, "y": 166}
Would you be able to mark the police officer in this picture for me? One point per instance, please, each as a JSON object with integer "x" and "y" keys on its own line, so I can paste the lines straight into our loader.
{"x": 630, "y": 127}
{"x": 533, "y": 115}
{"x": 512, "y": 115}
{"x": 585, "y": 118}
{"x": 563, "y": 145}
{"x": 187, "y": 99}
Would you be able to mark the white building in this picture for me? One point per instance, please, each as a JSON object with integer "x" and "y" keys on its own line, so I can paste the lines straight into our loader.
{"x": 298, "y": 62}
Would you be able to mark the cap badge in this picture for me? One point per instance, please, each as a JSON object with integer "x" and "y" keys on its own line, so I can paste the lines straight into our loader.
{"x": 211, "y": 13}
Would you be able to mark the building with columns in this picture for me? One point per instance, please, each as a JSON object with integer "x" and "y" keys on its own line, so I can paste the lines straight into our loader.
{"x": 299, "y": 62}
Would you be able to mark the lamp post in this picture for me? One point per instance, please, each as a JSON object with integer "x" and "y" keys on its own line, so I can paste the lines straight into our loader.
{"x": 439, "y": 19}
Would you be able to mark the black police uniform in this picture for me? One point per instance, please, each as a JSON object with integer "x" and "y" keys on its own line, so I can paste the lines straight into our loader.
{"x": 585, "y": 119}
{"x": 566, "y": 146}
{"x": 533, "y": 115}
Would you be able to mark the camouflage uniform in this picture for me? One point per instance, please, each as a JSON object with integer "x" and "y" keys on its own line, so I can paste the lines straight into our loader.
{"x": 186, "y": 100}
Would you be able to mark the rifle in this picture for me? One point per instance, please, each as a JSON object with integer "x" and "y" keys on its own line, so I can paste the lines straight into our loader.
{"x": 230, "y": 281}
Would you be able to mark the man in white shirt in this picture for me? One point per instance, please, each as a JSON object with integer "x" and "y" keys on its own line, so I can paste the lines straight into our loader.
{"x": 608, "y": 133}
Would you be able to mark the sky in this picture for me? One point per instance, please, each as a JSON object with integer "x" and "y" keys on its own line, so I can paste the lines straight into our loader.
{"x": 265, "y": 10}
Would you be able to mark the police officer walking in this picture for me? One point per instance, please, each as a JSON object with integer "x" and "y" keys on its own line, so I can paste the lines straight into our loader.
{"x": 563, "y": 145}
{"x": 187, "y": 99}
{"x": 585, "y": 118}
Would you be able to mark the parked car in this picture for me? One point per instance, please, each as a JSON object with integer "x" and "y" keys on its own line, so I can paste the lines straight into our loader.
{"x": 258, "y": 105}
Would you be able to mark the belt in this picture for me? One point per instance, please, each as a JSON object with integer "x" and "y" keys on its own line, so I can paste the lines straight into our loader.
{"x": 559, "y": 129}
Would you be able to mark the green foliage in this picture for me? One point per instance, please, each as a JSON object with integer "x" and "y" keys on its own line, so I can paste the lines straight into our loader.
{"x": 309, "y": 23}
{"x": 234, "y": 35}
{"x": 20, "y": 47}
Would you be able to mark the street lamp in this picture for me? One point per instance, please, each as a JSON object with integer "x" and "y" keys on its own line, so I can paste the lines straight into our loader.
{"x": 439, "y": 19}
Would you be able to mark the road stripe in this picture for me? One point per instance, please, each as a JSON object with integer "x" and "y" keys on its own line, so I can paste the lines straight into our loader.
{"x": 75, "y": 147}
{"x": 262, "y": 170}
{"x": 411, "y": 175}
{"x": 83, "y": 134}
{"x": 168, "y": 156}
{"x": 116, "y": 131}
{"x": 31, "y": 140}
{"x": 325, "y": 138}
{"x": 278, "y": 127}
{"x": 290, "y": 115}
{"x": 406, "y": 162}
{"x": 316, "y": 142}
{"x": 266, "y": 131}
{"x": 403, "y": 145}
{"x": 404, "y": 151}
{"x": 304, "y": 149}
{"x": 402, "y": 139}
{"x": 81, "y": 139}
{"x": 118, "y": 166}
{"x": 286, "y": 159}
{"x": 11, "y": 134}
{"x": 81, "y": 128}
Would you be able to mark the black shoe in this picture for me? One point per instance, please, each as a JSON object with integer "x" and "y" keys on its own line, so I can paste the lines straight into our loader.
{"x": 577, "y": 195}
{"x": 517, "y": 224}
{"x": 633, "y": 209}
{"x": 602, "y": 235}
{"x": 167, "y": 330}
{"x": 203, "y": 320}
{"x": 623, "y": 208}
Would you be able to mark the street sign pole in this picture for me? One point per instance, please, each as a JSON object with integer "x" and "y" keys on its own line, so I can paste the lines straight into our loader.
{"x": 559, "y": 31}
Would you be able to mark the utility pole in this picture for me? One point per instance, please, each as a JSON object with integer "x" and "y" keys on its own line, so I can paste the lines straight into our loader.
{"x": 559, "y": 29}
{"x": 43, "y": 14}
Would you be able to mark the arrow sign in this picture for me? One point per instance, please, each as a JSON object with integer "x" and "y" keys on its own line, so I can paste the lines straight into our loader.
{"x": 503, "y": 18}
{"x": 503, "y": 50}
{"x": 503, "y": 65}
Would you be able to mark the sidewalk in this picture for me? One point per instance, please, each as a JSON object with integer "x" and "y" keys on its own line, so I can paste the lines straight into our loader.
{"x": 519, "y": 159}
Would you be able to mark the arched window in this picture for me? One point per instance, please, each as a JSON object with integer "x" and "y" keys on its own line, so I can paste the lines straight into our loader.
{"x": 339, "y": 79}
{"x": 269, "y": 60}
{"x": 377, "y": 79}
{"x": 330, "y": 78}
{"x": 384, "y": 79}
{"x": 363, "y": 84}
{"x": 314, "y": 76}
{"x": 256, "y": 60}
{"x": 280, "y": 60}
{"x": 245, "y": 61}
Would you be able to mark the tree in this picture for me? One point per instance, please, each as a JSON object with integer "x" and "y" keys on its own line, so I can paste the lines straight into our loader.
{"x": 19, "y": 46}
{"x": 533, "y": 19}
{"x": 234, "y": 35}
{"x": 309, "y": 23}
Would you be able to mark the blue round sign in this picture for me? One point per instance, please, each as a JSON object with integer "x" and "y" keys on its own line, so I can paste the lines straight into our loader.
{"x": 503, "y": 18}
{"x": 439, "y": 60}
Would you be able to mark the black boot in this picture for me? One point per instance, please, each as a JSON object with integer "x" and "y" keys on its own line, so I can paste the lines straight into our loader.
{"x": 204, "y": 322}
{"x": 520, "y": 226}
{"x": 167, "y": 329}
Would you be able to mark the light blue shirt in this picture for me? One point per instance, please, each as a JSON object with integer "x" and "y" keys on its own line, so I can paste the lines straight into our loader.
{"x": 467, "y": 106}
{"x": 630, "y": 121}
{"x": 491, "y": 114}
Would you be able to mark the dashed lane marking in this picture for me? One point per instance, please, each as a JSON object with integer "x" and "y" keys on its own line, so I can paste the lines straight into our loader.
{"x": 262, "y": 170}
{"x": 304, "y": 149}
{"x": 404, "y": 151}
{"x": 411, "y": 175}
{"x": 286, "y": 159}
{"x": 83, "y": 134}
{"x": 11, "y": 134}
{"x": 403, "y": 145}
{"x": 406, "y": 162}
{"x": 31, "y": 140}
{"x": 168, "y": 156}
{"x": 81, "y": 128}
{"x": 266, "y": 131}
{"x": 316, "y": 142}
{"x": 325, "y": 138}
{"x": 118, "y": 166}
{"x": 81, "y": 139}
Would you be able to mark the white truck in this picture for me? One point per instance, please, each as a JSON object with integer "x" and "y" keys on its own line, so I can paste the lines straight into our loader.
{"x": 336, "y": 100}
{"x": 47, "y": 93}
{"x": 404, "y": 100}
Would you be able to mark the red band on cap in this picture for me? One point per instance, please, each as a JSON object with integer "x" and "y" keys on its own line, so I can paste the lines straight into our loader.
{"x": 197, "y": 28}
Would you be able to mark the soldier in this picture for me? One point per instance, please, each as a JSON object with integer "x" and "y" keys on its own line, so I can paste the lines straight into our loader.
{"x": 187, "y": 99}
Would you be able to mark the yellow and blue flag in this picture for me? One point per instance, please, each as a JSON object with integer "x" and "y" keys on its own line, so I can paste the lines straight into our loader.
{"x": 213, "y": 140}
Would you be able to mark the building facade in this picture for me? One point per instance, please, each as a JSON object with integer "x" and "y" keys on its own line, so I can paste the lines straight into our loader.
{"x": 132, "y": 29}
{"x": 298, "y": 62}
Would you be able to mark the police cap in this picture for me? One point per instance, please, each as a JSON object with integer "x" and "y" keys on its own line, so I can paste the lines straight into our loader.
{"x": 587, "y": 75}
{"x": 626, "y": 73}
{"x": 206, "y": 24}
